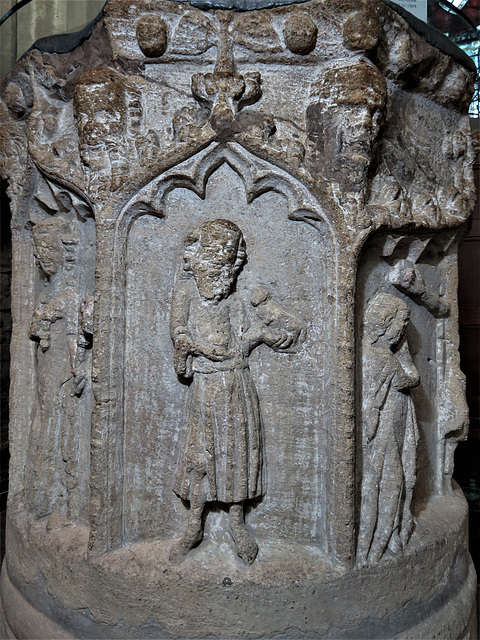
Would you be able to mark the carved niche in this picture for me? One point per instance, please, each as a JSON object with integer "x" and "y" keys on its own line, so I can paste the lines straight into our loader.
{"x": 226, "y": 181}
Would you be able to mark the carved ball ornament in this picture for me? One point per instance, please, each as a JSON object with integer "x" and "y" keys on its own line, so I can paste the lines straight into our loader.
{"x": 152, "y": 35}
{"x": 300, "y": 34}
{"x": 361, "y": 31}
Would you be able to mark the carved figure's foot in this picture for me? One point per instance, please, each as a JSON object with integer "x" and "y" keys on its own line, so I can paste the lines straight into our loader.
{"x": 180, "y": 548}
{"x": 245, "y": 546}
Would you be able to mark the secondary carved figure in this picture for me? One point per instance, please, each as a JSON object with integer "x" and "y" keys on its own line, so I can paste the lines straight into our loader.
{"x": 61, "y": 325}
{"x": 389, "y": 431}
{"x": 214, "y": 332}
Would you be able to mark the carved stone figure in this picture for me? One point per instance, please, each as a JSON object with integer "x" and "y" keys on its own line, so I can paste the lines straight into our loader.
{"x": 389, "y": 431}
{"x": 221, "y": 459}
{"x": 62, "y": 329}
{"x": 408, "y": 279}
{"x": 329, "y": 140}
{"x": 453, "y": 415}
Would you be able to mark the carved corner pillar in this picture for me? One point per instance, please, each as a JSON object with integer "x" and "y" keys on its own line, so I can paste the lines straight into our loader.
{"x": 236, "y": 387}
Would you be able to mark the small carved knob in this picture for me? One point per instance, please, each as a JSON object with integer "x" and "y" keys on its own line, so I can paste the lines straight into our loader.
{"x": 300, "y": 33}
{"x": 152, "y": 35}
{"x": 362, "y": 30}
{"x": 15, "y": 99}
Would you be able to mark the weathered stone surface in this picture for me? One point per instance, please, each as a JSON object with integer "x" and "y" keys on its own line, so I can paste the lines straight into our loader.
{"x": 236, "y": 391}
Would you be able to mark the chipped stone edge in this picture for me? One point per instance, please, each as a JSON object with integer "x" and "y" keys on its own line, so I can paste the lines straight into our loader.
{"x": 439, "y": 622}
{"x": 26, "y": 622}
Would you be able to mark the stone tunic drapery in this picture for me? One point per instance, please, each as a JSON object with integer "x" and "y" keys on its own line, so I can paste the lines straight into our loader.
{"x": 222, "y": 446}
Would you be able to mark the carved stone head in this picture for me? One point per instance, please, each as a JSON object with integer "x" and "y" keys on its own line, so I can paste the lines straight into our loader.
{"x": 214, "y": 254}
{"x": 344, "y": 121}
{"x": 386, "y": 317}
{"x": 48, "y": 242}
{"x": 100, "y": 106}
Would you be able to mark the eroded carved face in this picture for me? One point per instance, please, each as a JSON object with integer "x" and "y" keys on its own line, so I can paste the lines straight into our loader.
{"x": 357, "y": 130}
{"x": 343, "y": 122}
{"x": 214, "y": 254}
{"x": 343, "y": 138}
{"x": 360, "y": 128}
{"x": 396, "y": 327}
{"x": 100, "y": 111}
{"x": 387, "y": 317}
{"x": 47, "y": 247}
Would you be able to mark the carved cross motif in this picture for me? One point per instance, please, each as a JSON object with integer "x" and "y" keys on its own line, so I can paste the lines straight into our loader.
{"x": 225, "y": 91}
{"x": 225, "y": 94}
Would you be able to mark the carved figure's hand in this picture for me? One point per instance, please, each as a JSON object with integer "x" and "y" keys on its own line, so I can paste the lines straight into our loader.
{"x": 40, "y": 330}
{"x": 408, "y": 376}
{"x": 42, "y": 333}
{"x": 86, "y": 317}
{"x": 282, "y": 340}
{"x": 41, "y": 322}
{"x": 407, "y": 278}
{"x": 184, "y": 347}
{"x": 214, "y": 352}
{"x": 79, "y": 382}
{"x": 370, "y": 421}
{"x": 279, "y": 329}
